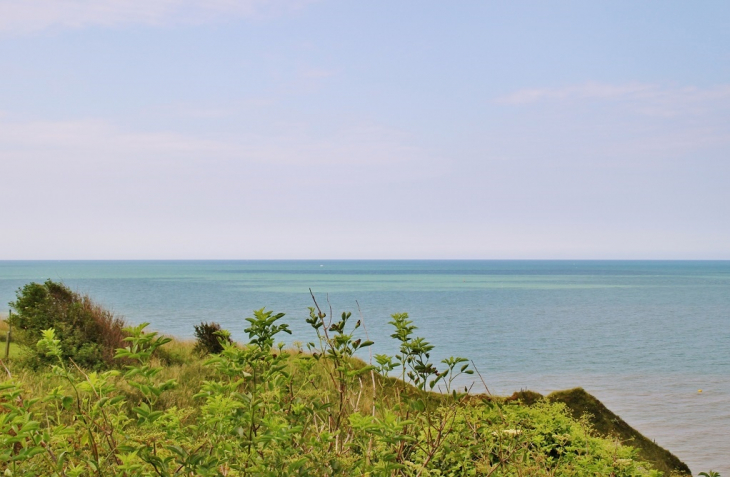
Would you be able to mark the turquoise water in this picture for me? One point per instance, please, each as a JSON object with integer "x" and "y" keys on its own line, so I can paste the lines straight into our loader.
{"x": 641, "y": 336}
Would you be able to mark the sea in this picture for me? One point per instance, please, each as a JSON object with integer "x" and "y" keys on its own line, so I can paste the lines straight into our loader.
{"x": 650, "y": 339}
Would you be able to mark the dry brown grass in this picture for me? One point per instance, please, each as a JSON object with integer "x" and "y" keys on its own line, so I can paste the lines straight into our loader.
{"x": 109, "y": 328}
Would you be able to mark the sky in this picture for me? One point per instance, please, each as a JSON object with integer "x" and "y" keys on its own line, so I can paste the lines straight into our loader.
{"x": 295, "y": 129}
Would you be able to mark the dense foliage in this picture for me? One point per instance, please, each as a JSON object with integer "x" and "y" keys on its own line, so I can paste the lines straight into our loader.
{"x": 261, "y": 410}
{"x": 88, "y": 333}
{"x": 210, "y": 337}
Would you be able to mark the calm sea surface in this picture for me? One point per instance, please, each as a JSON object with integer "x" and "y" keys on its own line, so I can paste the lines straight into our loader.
{"x": 643, "y": 337}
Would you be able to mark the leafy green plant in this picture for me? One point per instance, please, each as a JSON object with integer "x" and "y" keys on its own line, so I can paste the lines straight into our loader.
{"x": 96, "y": 415}
{"x": 141, "y": 374}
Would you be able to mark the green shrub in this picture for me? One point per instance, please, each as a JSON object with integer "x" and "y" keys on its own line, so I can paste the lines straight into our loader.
{"x": 88, "y": 333}
{"x": 210, "y": 338}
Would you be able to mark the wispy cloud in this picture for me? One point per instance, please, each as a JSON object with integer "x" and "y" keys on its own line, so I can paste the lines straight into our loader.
{"x": 317, "y": 73}
{"x": 650, "y": 99}
{"x": 29, "y": 145}
{"x": 576, "y": 92}
{"x": 147, "y": 184}
{"x": 24, "y": 16}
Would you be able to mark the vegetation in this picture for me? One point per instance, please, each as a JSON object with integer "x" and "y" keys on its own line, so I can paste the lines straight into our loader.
{"x": 210, "y": 337}
{"x": 13, "y": 349}
{"x": 581, "y": 405}
{"x": 605, "y": 422}
{"x": 88, "y": 334}
{"x": 259, "y": 409}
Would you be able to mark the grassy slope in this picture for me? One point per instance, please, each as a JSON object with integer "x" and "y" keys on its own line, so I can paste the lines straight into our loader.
{"x": 608, "y": 424}
{"x": 578, "y": 401}
{"x": 180, "y": 363}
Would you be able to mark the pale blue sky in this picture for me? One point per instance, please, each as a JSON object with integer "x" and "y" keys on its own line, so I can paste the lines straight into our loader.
{"x": 373, "y": 129}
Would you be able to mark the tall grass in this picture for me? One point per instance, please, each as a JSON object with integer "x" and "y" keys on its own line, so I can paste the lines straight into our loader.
{"x": 108, "y": 328}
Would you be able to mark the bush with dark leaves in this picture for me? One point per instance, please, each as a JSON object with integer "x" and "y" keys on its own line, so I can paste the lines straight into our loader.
{"x": 210, "y": 338}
